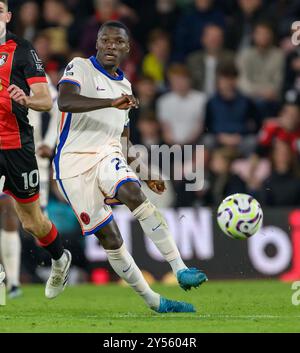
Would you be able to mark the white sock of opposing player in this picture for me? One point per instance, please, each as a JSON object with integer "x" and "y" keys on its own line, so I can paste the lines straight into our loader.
{"x": 123, "y": 264}
{"x": 11, "y": 256}
{"x": 155, "y": 226}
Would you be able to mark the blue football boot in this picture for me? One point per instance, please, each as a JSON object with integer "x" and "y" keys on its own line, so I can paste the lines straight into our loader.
{"x": 173, "y": 306}
{"x": 190, "y": 277}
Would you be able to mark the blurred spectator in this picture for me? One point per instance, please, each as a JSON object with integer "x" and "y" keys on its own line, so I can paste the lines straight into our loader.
{"x": 155, "y": 62}
{"x": 231, "y": 117}
{"x": 80, "y": 9}
{"x": 162, "y": 14}
{"x": 105, "y": 10}
{"x": 241, "y": 24}
{"x": 203, "y": 63}
{"x": 28, "y": 20}
{"x": 60, "y": 26}
{"x": 261, "y": 68}
{"x": 191, "y": 25}
{"x": 42, "y": 45}
{"x": 133, "y": 61}
{"x": 181, "y": 111}
{"x": 149, "y": 129}
{"x": 53, "y": 64}
{"x": 283, "y": 13}
{"x": 282, "y": 188}
{"x": 285, "y": 128}
{"x": 220, "y": 181}
{"x": 292, "y": 71}
{"x": 166, "y": 15}
{"x": 181, "y": 115}
{"x": 145, "y": 91}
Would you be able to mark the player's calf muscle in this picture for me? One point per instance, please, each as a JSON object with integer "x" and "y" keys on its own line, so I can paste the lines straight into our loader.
{"x": 32, "y": 219}
{"x": 39, "y": 229}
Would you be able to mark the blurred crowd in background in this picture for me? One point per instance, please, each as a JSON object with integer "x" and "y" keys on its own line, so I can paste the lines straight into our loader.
{"x": 220, "y": 73}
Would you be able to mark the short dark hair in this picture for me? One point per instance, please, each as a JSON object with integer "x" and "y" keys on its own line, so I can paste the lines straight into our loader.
{"x": 179, "y": 70}
{"x": 115, "y": 24}
{"x": 146, "y": 78}
{"x": 157, "y": 34}
{"x": 266, "y": 24}
{"x": 228, "y": 69}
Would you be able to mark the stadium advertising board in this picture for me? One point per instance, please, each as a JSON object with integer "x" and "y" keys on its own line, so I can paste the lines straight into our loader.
{"x": 269, "y": 253}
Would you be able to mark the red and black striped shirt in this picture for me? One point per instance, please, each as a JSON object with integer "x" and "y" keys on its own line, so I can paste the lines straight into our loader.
{"x": 19, "y": 65}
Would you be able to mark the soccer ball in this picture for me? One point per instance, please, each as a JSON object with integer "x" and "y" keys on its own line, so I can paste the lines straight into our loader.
{"x": 240, "y": 216}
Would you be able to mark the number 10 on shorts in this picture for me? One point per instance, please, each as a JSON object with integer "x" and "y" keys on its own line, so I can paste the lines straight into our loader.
{"x": 31, "y": 179}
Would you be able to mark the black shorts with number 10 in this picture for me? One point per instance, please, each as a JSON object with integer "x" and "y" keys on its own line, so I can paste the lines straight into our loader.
{"x": 20, "y": 66}
{"x": 20, "y": 169}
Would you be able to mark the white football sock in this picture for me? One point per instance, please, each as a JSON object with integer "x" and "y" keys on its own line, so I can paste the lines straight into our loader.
{"x": 155, "y": 226}
{"x": 11, "y": 256}
{"x": 123, "y": 264}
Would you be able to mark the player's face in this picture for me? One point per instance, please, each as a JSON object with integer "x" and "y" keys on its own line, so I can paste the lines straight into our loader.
{"x": 112, "y": 46}
{"x": 5, "y": 17}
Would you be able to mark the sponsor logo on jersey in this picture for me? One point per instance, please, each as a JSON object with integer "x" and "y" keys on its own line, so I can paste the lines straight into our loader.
{"x": 37, "y": 60}
{"x": 3, "y": 58}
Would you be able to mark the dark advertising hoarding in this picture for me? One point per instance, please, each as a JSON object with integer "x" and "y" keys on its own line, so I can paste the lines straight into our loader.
{"x": 269, "y": 253}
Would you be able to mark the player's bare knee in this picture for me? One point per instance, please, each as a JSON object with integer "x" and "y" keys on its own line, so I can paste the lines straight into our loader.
{"x": 110, "y": 237}
{"x": 131, "y": 195}
{"x": 109, "y": 241}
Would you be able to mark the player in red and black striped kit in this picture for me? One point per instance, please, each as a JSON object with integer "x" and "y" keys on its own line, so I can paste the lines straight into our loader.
{"x": 22, "y": 73}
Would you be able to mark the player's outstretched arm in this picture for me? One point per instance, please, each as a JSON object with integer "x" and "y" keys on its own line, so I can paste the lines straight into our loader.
{"x": 40, "y": 100}
{"x": 70, "y": 100}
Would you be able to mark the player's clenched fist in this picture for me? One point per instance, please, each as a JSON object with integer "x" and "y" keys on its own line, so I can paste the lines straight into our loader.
{"x": 18, "y": 95}
{"x": 44, "y": 151}
{"x": 125, "y": 102}
{"x": 157, "y": 186}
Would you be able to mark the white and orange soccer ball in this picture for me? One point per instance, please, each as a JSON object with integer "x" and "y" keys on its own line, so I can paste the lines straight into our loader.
{"x": 240, "y": 216}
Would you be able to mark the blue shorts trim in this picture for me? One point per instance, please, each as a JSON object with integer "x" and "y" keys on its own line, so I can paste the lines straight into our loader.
{"x": 93, "y": 231}
{"x": 117, "y": 189}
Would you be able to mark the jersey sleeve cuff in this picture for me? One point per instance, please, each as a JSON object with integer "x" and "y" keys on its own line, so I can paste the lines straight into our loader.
{"x": 73, "y": 82}
{"x": 33, "y": 80}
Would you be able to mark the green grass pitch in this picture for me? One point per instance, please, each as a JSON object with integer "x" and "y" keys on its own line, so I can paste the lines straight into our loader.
{"x": 227, "y": 306}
